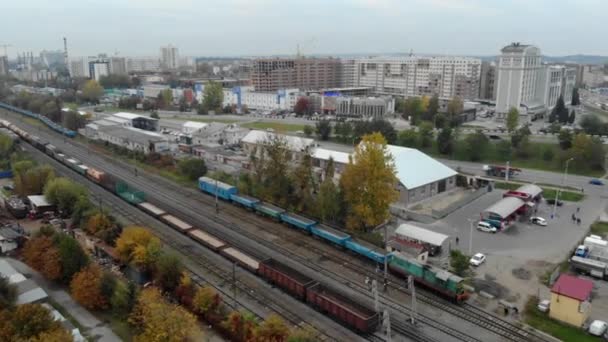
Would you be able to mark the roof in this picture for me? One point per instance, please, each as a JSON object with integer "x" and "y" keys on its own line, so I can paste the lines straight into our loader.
{"x": 194, "y": 124}
{"x": 294, "y": 143}
{"x": 133, "y": 134}
{"x": 38, "y": 200}
{"x": 324, "y": 154}
{"x": 7, "y": 233}
{"x": 505, "y": 207}
{"x": 210, "y": 129}
{"x": 129, "y": 116}
{"x": 573, "y": 287}
{"x": 413, "y": 232}
{"x": 415, "y": 169}
{"x": 515, "y": 47}
{"x": 530, "y": 189}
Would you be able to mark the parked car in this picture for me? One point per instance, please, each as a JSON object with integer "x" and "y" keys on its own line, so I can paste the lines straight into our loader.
{"x": 486, "y": 227}
{"x": 538, "y": 221}
{"x": 551, "y": 201}
{"x": 543, "y": 305}
{"x": 596, "y": 181}
{"x": 477, "y": 259}
{"x": 598, "y": 328}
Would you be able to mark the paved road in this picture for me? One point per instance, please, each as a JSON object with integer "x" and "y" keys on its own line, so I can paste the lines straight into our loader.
{"x": 95, "y": 328}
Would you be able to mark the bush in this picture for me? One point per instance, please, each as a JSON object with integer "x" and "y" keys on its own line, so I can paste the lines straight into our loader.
{"x": 192, "y": 168}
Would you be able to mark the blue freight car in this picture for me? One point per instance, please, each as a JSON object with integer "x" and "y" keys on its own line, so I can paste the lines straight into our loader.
{"x": 214, "y": 187}
{"x": 330, "y": 234}
{"x": 298, "y": 221}
{"x": 245, "y": 201}
{"x": 269, "y": 210}
{"x": 372, "y": 253}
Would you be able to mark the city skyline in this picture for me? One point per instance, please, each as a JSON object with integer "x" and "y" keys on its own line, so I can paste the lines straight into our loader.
{"x": 271, "y": 27}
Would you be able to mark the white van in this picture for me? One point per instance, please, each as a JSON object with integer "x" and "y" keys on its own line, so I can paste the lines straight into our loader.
{"x": 486, "y": 227}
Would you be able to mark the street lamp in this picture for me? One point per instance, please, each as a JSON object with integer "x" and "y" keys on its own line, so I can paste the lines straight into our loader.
{"x": 471, "y": 235}
{"x": 558, "y": 190}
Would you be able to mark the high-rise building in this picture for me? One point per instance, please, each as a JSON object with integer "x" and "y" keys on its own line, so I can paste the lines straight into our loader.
{"x": 487, "y": 83}
{"x": 417, "y": 76}
{"x": 519, "y": 69}
{"x": 347, "y": 73}
{"x": 3, "y": 65}
{"x": 118, "y": 66}
{"x": 141, "y": 64}
{"x": 169, "y": 57}
{"x": 79, "y": 67}
{"x": 270, "y": 74}
{"x": 52, "y": 58}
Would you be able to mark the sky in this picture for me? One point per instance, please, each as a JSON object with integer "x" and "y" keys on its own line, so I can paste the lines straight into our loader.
{"x": 270, "y": 27}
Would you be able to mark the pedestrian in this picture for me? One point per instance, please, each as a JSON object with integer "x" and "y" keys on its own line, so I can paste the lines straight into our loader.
{"x": 457, "y": 240}
{"x": 506, "y": 310}
{"x": 578, "y": 209}
{"x": 377, "y": 268}
{"x": 385, "y": 284}
{"x": 573, "y": 218}
{"x": 367, "y": 282}
{"x": 578, "y": 221}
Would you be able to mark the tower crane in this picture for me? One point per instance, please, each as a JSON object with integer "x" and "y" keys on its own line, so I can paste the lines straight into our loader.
{"x": 6, "y": 46}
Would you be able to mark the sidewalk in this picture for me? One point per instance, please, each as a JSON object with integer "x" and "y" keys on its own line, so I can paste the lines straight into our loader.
{"x": 95, "y": 329}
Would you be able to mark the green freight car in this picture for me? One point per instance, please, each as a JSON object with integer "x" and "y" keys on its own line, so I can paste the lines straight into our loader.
{"x": 129, "y": 194}
{"x": 441, "y": 281}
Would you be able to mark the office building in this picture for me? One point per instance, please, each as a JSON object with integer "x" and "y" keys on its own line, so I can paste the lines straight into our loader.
{"x": 361, "y": 107}
{"x": 143, "y": 64}
{"x": 284, "y": 99}
{"x": 487, "y": 82}
{"x": 118, "y": 66}
{"x": 418, "y": 76}
{"x": 271, "y": 74}
{"x": 169, "y": 57}
{"x": 3, "y": 65}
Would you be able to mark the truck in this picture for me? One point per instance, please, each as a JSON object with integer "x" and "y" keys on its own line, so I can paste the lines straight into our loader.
{"x": 500, "y": 170}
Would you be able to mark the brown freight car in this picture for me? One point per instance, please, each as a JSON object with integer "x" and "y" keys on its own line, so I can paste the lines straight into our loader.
{"x": 285, "y": 277}
{"x": 206, "y": 239}
{"x": 176, "y": 223}
{"x": 241, "y": 258}
{"x": 341, "y": 308}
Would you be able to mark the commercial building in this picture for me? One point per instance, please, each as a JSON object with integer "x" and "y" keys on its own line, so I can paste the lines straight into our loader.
{"x": 284, "y": 99}
{"x": 418, "y": 76}
{"x": 487, "y": 82}
{"x": 255, "y": 140}
{"x": 571, "y": 300}
{"x": 360, "y": 107}
{"x": 133, "y": 139}
{"x": 98, "y": 69}
{"x": 271, "y": 74}
{"x": 216, "y": 133}
{"x": 169, "y": 57}
{"x": 118, "y": 66}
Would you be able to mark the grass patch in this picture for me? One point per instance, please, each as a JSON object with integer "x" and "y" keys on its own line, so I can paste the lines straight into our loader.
{"x": 541, "y": 321}
{"x": 277, "y": 126}
{"x": 547, "y": 192}
{"x": 599, "y": 228}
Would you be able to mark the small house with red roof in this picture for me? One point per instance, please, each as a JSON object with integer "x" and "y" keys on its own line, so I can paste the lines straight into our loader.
{"x": 571, "y": 300}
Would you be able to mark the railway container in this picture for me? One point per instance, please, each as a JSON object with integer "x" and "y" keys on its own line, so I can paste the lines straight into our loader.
{"x": 214, "y": 187}
{"x": 129, "y": 194}
{"x": 244, "y": 200}
{"x": 206, "y": 239}
{"x": 151, "y": 209}
{"x": 82, "y": 169}
{"x": 95, "y": 175}
{"x": 61, "y": 157}
{"x": 51, "y": 150}
{"x": 443, "y": 282}
{"x": 285, "y": 277}
{"x": 366, "y": 250}
{"x": 72, "y": 163}
{"x": 269, "y": 210}
{"x": 341, "y": 308}
{"x": 176, "y": 223}
{"x": 330, "y": 234}
{"x": 241, "y": 258}
{"x": 297, "y": 221}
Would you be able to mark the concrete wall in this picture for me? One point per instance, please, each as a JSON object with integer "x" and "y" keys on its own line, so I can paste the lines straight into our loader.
{"x": 568, "y": 310}
{"x": 410, "y": 196}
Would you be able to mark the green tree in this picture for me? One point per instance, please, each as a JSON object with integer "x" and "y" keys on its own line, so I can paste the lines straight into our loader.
{"x": 323, "y": 129}
{"x": 213, "y": 96}
{"x": 168, "y": 271}
{"x": 123, "y": 298}
{"x": 8, "y": 293}
{"x": 329, "y": 196}
{"x": 555, "y": 127}
{"x": 192, "y": 168}
{"x": 154, "y": 115}
{"x": 273, "y": 167}
{"x": 433, "y": 108}
{"x": 92, "y": 91}
{"x": 72, "y": 257}
{"x": 476, "y": 145}
{"x": 413, "y": 109}
{"x": 63, "y": 193}
{"x": 303, "y": 184}
{"x": 344, "y": 131}
{"x": 503, "y": 149}
{"x": 455, "y": 107}
{"x": 560, "y": 112}
{"x": 572, "y": 117}
{"x": 409, "y": 138}
{"x": 445, "y": 141}
{"x": 459, "y": 262}
{"x": 73, "y": 120}
{"x": 548, "y": 154}
{"x": 565, "y": 139}
{"x": 308, "y": 130}
{"x": 368, "y": 182}
{"x": 588, "y": 151}
{"x": 425, "y": 134}
{"x": 512, "y": 119}
{"x": 576, "y": 100}
{"x": 591, "y": 124}
{"x": 52, "y": 110}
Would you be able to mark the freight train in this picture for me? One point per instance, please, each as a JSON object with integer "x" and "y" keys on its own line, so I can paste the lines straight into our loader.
{"x": 54, "y": 126}
{"x": 437, "y": 280}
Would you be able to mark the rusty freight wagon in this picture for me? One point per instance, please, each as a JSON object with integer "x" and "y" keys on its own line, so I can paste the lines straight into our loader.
{"x": 285, "y": 277}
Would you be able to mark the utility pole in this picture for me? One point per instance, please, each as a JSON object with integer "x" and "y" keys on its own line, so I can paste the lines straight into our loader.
{"x": 217, "y": 205}
{"x": 375, "y": 294}
{"x": 410, "y": 284}
{"x": 507, "y": 172}
{"x": 387, "y": 325}
{"x": 236, "y": 304}
{"x": 558, "y": 190}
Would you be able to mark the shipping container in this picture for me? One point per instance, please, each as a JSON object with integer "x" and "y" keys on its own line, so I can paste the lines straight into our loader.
{"x": 129, "y": 194}
{"x": 330, "y": 234}
{"x": 285, "y": 277}
{"x": 151, "y": 209}
{"x": 216, "y": 188}
{"x": 341, "y": 308}
{"x": 176, "y": 223}
{"x": 241, "y": 258}
{"x": 206, "y": 239}
{"x": 82, "y": 169}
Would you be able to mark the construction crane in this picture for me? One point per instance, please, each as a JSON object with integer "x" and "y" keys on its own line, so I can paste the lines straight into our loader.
{"x": 6, "y": 46}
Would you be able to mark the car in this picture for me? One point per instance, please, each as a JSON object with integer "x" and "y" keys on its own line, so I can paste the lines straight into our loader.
{"x": 596, "y": 181}
{"x": 598, "y": 328}
{"x": 538, "y": 221}
{"x": 477, "y": 259}
{"x": 551, "y": 201}
{"x": 486, "y": 227}
{"x": 544, "y": 305}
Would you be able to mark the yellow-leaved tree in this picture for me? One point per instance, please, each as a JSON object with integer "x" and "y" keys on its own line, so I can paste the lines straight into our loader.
{"x": 368, "y": 183}
{"x": 139, "y": 246}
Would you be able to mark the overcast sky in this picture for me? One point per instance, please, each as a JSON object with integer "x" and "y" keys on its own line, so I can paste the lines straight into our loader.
{"x": 266, "y": 27}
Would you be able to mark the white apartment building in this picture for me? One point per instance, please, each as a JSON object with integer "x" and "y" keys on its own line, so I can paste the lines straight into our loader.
{"x": 417, "y": 76}
{"x": 79, "y": 67}
{"x": 98, "y": 69}
{"x": 264, "y": 101}
{"x": 518, "y": 73}
{"x": 169, "y": 57}
{"x": 141, "y": 64}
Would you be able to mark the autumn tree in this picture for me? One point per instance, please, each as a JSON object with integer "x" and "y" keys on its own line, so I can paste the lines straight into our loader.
{"x": 306, "y": 334}
{"x": 55, "y": 335}
{"x": 206, "y": 300}
{"x": 28, "y": 322}
{"x": 63, "y": 193}
{"x": 185, "y": 291}
{"x": 92, "y": 91}
{"x": 240, "y": 325}
{"x": 123, "y": 298}
{"x": 302, "y": 106}
{"x": 168, "y": 272}
{"x": 156, "y": 320}
{"x": 323, "y": 129}
{"x": 73, "y": 258}
{"x": 138, "y": 246}
{"x": 42, "y": 255}
{"x": 369, "y": 183}
{"x": 512, "y": 119}
{"x": 86, "y": 288}
{"x": 273, "y": 329}
{"x": 213, "y": 97}
{"x": 303, "y": 184}
{"x": 455, "y": 107}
